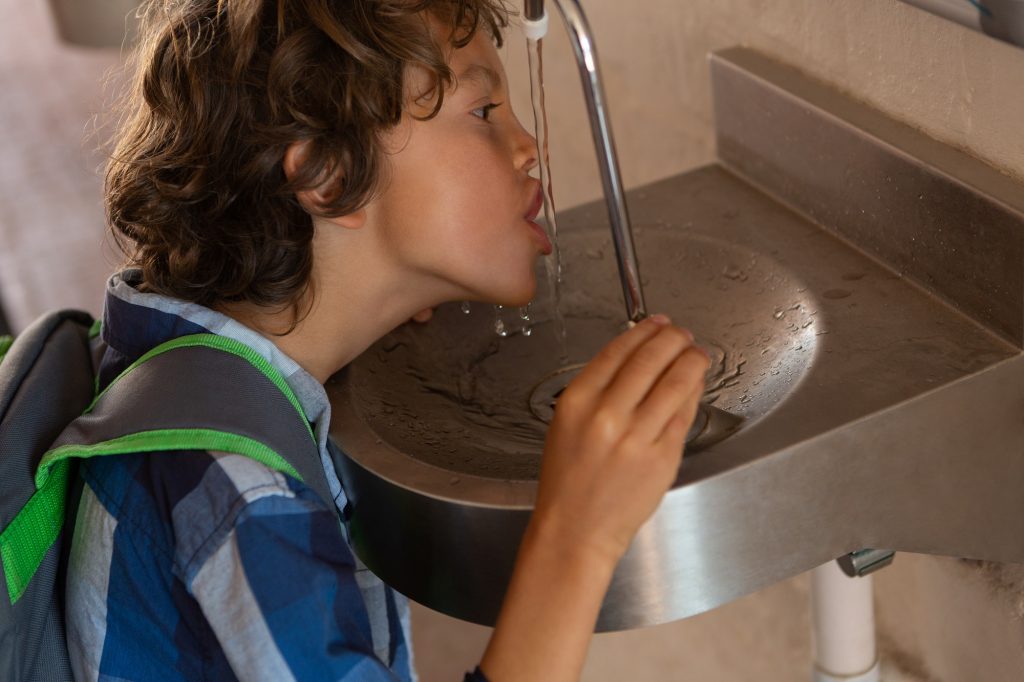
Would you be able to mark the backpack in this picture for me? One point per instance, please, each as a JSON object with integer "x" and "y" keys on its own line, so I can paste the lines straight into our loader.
{"x": 196, "y": 392}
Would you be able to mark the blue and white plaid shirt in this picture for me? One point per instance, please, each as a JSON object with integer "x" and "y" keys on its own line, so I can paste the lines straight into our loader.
{"x": 210, "y": 566}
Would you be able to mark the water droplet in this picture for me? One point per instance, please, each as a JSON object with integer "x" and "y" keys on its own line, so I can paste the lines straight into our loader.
{"x": 465, "y": 307}
{"x": 837, "y": 293}
{"x": 499, "y": 324}
{"x": 779, "y": 313}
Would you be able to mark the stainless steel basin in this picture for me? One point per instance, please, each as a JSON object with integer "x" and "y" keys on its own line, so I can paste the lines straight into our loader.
{"x": 879, "y": 375}
{"x": 455, "y": 395}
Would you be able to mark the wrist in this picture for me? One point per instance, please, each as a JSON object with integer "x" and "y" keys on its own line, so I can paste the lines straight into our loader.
{"x": 548, "y": 534}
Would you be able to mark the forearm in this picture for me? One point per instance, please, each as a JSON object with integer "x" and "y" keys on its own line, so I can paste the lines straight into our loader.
{"x": 549, "y": 612}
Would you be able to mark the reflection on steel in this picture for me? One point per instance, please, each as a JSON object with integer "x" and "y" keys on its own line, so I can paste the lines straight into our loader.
{"x": 880, "y": 381}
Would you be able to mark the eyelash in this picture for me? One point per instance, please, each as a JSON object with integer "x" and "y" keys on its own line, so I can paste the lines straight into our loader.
{"x": 486, "y": 109}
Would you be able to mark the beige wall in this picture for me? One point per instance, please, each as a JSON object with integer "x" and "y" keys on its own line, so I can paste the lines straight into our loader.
{"x": 955, "y": 84}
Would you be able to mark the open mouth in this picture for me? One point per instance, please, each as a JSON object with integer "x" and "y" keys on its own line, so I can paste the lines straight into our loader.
{"x": 536, "y": 206}
{"x": 531, "y": 219}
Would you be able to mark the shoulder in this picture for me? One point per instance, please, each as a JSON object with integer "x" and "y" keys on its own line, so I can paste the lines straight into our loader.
{"x": 193, "y": 499}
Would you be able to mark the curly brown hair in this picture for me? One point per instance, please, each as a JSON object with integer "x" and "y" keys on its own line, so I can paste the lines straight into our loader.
{"x": 196, "y": 193}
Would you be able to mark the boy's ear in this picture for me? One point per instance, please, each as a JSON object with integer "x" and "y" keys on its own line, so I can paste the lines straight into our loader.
{"x": 311, "y": 199}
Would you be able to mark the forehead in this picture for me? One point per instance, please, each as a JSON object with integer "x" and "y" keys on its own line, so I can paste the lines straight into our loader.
{"x": 476, "y": 67}
{"x": 477, "y": 62}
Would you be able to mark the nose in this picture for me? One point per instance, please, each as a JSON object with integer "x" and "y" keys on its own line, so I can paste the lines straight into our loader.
{"x": 525, "y": 149}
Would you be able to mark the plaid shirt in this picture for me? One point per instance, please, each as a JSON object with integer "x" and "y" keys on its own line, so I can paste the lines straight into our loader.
{"x": 210, "y": 566}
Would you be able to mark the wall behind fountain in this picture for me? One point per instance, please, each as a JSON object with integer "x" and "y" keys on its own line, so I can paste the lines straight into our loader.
{"x": 940, "y": 619}
{"x": 955, "y": 84}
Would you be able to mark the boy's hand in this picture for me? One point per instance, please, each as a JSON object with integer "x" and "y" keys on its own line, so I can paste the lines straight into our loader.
{"x": 423, "y": 315}
{"x": 617, "y": 438}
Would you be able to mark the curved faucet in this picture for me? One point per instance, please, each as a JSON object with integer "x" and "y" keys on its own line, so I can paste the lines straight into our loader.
{"x": 586, "y": 59}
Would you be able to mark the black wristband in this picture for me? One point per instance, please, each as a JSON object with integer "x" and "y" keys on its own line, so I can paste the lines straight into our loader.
{"x": 475, "y": 676}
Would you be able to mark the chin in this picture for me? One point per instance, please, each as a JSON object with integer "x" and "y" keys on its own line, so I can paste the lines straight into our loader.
{"x": 511, "y": 294}
{"x": 523, "y": 295}
{"x": 516, "y": 299}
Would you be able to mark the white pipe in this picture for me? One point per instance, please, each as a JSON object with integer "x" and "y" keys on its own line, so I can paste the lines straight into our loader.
{"x": 843, "y": 618}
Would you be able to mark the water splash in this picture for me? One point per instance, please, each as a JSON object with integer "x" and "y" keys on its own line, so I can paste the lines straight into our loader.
{"x": 526, "y": 324}
{"x": 505, "y": 325}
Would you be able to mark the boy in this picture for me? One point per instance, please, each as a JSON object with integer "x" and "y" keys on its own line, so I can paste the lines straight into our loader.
{"x": 303, "y": 176}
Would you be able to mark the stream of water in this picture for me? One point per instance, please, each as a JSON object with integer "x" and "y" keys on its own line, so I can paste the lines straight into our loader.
{"x": 552, "y": 264}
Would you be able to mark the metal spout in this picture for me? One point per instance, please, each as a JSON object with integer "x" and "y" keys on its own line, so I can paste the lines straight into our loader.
{"x": 622, "y": 235}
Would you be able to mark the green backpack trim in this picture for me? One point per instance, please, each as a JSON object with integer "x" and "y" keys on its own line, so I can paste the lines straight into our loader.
{"x": 29, "y": 536}
{"x": 229, "y": 346}
{"x": 31, "y": 533}
{"x": 5, "y": 345}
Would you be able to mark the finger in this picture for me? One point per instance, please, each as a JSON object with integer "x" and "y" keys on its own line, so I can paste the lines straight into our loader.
{"x": 677, "y": 392}
{"x": 645, "y": 367}
{"x": 674, "y": 436}
{"x": 603, "y": 367}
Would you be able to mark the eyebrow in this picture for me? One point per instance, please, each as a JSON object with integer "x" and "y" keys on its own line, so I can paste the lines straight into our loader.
{"x": 482, "y": 74}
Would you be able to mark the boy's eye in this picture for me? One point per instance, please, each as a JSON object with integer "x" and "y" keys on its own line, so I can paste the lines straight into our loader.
{"x": 484, "y": 112}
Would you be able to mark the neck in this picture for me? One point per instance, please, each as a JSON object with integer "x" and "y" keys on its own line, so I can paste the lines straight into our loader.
{"x": 357, "y": 297}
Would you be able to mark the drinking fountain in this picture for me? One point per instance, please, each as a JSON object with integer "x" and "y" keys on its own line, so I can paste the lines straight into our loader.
{"x": 860, "y": 289}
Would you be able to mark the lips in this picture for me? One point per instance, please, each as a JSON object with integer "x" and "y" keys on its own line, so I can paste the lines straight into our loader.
{"x": 531, "y": 220}
{"x": 537, "y": 205}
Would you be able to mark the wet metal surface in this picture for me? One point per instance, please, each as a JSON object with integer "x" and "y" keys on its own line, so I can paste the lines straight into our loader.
{"x": 932, "y": 213}
{"x": 455, "y": 395}
{"x": 877, "y": 412}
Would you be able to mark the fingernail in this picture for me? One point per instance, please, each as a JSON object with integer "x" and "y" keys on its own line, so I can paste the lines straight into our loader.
{"x": 660, "y": 319}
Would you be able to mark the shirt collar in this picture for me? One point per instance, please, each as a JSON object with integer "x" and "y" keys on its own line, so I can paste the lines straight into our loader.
{"x": 135, "y": 322}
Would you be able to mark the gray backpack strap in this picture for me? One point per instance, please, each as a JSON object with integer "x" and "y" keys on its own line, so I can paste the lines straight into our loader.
{"x": 196, "y": 392}
{"x": 203, "y": 392}
{"x": 46, "y": 380}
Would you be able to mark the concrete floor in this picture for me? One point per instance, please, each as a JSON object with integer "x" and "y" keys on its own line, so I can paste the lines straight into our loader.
{"x": 52, "y": 251}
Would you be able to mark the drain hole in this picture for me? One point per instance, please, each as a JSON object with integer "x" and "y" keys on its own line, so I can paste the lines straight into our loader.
{"x": 545, "y": 395}
{"x": 555, "y": 397}
{"x": 710, "y": 426}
